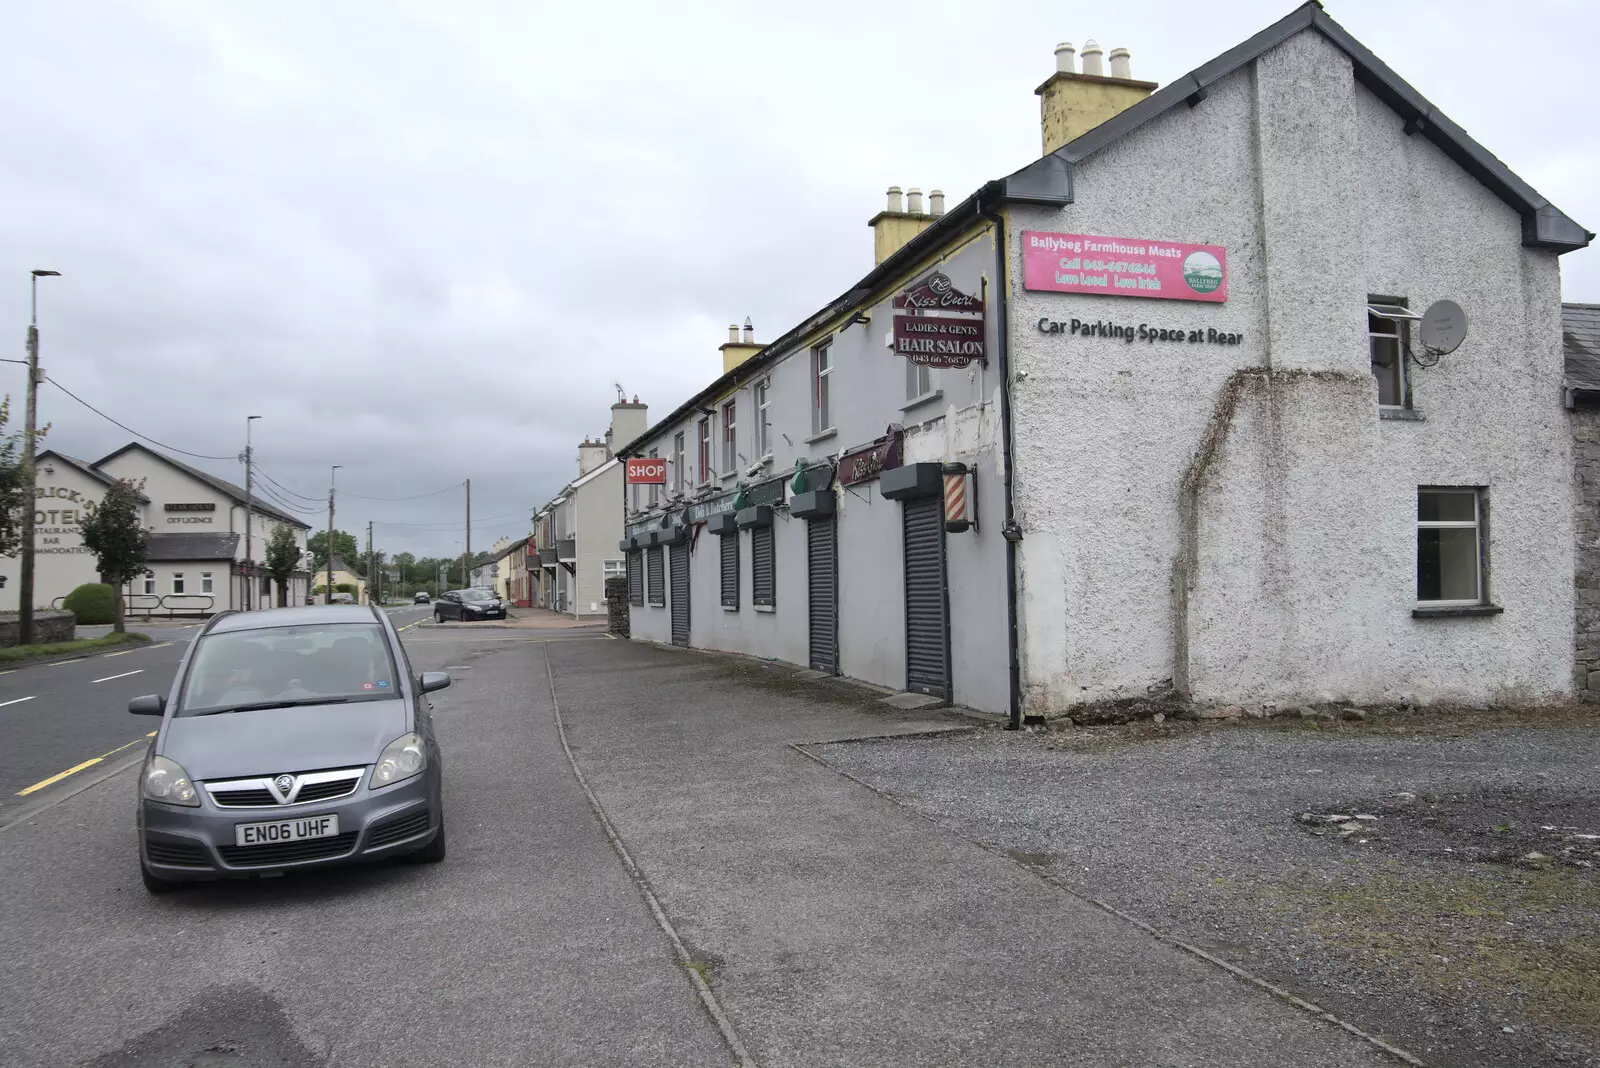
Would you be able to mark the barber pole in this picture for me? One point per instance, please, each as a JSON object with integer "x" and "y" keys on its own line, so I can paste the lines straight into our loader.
{"x": 957, "y": 515}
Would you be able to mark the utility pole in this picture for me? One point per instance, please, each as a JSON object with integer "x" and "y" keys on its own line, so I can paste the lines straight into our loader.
{"x": 466, "y": 571}
{"x": 30, "y": 476}
{"x": 249, "y": 513}
{"x": 333, "y": 476}
{"x": 372, "y": 571}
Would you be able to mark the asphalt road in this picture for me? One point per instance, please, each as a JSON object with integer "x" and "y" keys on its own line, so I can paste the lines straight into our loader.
{"x": 529, "y": 945}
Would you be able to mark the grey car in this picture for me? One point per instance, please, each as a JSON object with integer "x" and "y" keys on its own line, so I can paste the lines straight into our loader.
{"x": 292, "y": 738}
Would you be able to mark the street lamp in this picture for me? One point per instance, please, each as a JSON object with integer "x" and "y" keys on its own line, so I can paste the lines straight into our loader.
{"x": 29, "y": 475}
{"x": 249, "y": 512}
{"x": 333, "y": 475}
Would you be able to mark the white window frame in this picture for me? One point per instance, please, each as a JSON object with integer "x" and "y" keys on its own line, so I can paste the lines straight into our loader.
{"x": 919, "y": 380}
{"x": 150, "y": 585}
{"x": 821, "y": 396}
{"x": 206, "y": 585}
{"x": 763, "y": 405}
{"x": 1475, "y": 525}
{"x": 677, "y": 462}
{"x": 615, "y": 569}
{"x": 177, "y": 582}
{"x": 730, "y": 437}
{"x": 653, "y": 491}
{"x": 703, "y": 450}
{"x": 1392, "y": 311}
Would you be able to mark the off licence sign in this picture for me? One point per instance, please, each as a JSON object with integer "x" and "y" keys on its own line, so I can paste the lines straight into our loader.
{"x": 646, "y": 470}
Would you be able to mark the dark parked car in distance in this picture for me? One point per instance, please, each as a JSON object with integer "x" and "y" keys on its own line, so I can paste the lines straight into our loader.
{"x": 467, "y": 605}
{"x": 420, "y": 598}
{"x": 291, "y": 738}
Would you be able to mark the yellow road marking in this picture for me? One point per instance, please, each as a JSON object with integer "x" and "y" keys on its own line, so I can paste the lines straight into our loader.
{"x": 52, "y": 780}
{"x": 7, "y": 672}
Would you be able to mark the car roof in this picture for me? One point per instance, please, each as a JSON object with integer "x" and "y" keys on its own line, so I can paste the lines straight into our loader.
{"x": 292, "y": 617}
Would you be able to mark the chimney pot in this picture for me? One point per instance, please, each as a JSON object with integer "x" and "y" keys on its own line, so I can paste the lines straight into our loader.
{"x": 1121, "y": 66}
{"x": 636, "y": 398}
{"x": 733, "y": 333}
{"x": 894, "y": 199}
{"x": 1065, "y": 62}
{"x": 936, "y": 202}
{"x": 749, "y": 331}
{"x": 1091, "y": 59}
{"x": 914, "y": 200}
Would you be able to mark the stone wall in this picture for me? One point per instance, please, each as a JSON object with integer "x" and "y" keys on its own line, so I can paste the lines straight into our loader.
{"x": 47, "y": 627}
{"x": 1586, "y": 491}
{"x": 617, "y": 606}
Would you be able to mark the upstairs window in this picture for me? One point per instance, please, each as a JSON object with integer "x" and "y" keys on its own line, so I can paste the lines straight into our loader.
{"x": 653, "y": 491}
{"x": 677, "y": 462}
{"x": 919, "y": 380}
{"x": 763, "y": 419}
{"x": 730, "y": 441}
{"x": 821, "y": 369}
{"x": 705, "y": 450}
{"x": 1388, "y": 322}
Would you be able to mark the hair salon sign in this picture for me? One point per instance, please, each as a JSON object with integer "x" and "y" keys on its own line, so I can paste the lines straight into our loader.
{"x": 924, "y": 331}
{"x": 1124, "y": 267}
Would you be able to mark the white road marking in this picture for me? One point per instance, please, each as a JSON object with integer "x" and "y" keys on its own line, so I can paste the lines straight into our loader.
{"x": 58, "y": 663}
{"x": 124, "y": 675}
{"x": 15, "y": 701}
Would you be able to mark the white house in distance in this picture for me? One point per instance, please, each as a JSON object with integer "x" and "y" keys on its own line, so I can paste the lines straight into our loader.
{"x": 1158, "y": 411}
{"x": 197, "y": 545}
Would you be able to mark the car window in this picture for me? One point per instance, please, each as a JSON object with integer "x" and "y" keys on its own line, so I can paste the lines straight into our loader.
{"x": 476, "y": 595}
{"x": 321, "y": 663}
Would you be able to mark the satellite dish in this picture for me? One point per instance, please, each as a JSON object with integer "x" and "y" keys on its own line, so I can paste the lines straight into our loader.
{"x": 1442, "y": 330}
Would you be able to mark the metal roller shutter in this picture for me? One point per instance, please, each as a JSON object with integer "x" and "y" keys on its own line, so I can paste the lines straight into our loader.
{"x": 636, "y": 578}
{"x": 762, "y": 585}
{"x": 656, "y": 574}
{"x": 927, "y": 628}
{"x": 822, "y": 551}
{"x": 730, "y": 570}
{"x": 680, "y": 594}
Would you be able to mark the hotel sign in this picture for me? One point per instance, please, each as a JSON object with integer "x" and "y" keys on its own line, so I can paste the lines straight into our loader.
{"x": 1124, "y": 267}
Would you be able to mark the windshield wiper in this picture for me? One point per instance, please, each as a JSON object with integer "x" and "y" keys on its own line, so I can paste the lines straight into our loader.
{"x": 263, "y": 705}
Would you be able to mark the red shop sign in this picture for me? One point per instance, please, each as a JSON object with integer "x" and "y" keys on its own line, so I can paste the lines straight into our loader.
{"x": 646, "y": 470}
{"x": 863, "y": 464}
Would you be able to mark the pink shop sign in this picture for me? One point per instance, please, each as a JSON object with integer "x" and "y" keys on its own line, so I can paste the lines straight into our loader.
{"x": 1123, "y": 267}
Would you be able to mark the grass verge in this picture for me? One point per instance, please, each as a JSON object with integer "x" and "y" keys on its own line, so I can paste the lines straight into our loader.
{"x": 23, "y": 654}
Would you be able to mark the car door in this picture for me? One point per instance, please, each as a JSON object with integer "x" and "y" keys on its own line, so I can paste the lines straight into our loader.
{"x": 452, "y": 607}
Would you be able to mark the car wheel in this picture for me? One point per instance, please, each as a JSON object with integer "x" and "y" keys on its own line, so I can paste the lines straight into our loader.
{"x": 155, "y": 883}
{"x": 438, "y": 617}
{"x": 433, "y": 852}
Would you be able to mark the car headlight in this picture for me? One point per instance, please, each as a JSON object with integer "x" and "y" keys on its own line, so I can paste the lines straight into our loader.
{"x": 401, "y": 759}
{"x": 167, "y": 782}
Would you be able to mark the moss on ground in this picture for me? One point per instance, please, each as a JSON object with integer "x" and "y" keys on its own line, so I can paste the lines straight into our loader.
{"x": 21, "y": 654}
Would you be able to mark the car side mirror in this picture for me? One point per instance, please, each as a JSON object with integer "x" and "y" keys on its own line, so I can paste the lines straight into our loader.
{"x": 434, "y": 680}
{"x": 151, "y": 704}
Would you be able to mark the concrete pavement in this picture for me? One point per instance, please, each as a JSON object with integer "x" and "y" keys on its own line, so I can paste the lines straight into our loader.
{"x": 842, "y": 929}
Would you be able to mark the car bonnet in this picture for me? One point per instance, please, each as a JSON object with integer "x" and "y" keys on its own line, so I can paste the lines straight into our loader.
{"x": 270, "y": 741}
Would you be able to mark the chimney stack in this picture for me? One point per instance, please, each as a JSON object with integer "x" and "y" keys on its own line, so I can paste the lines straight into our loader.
{"x": 737, "y": 350}
{"x": 629, "y": 421}
{"x": 936, "y": 202}
{"x": 900, "y": 223}
{"x": 1073, "y": 103}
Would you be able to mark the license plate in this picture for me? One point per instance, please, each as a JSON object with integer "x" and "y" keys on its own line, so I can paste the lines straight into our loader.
{"x": 249, "y": 834}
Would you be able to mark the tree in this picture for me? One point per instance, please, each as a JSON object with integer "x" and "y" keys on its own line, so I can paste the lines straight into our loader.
{"x": 115, "y": 535}
{"x": 283, "y": 556}
{"x": 344, "y": 547}
{"x": 11, "y": 488}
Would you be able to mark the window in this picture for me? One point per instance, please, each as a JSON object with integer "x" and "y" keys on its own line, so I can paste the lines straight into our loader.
{"x": 150, "y": 585}
{"x": 730, "y": 445}
{"x": 1386, "y": 335}
{"x": 677, "y": 462}
{"x": 705, "y": 450}
{"x": 919, "y": 380}
{"x": 730, "y": 571}
{"x": 636, "y": 578}
{"x": 615, "y": 568}
{"x": 205, "y": 582}
{"x": 763, "y": 419}
{"x": 304, "y": 665}
{"x": 177, "y": 582}
{"x": 821, "y": 368}
{"x": 656, "y": 576}
{"x": 762, "y": 593}
{"x": 1449, "y": 546}
{"x": 653, "y": 491}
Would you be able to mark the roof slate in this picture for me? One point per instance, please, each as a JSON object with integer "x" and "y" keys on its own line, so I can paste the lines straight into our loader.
{"x": 1580, "y": 340}
{"x": 193, "y": 546}
{"x": 221, "y": 485}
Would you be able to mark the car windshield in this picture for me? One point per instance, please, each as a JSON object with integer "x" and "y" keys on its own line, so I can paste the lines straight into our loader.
{"x": 280, "y": 667}
{"x": 476, "y": 595}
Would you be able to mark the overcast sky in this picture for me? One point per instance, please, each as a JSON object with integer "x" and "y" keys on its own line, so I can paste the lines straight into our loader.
{"x": 423, "y": 240}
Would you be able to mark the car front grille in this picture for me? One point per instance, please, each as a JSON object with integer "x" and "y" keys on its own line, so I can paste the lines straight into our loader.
{"x": 267, "y": 856}
{"x": 243, "y": 798}
{"x": 323, "y": 791}
{"x": 313, "y": 786}
{"x": 396, "y": 830}
{"x": 177, "y": 854}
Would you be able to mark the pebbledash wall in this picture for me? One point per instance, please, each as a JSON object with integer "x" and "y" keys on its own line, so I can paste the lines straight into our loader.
{"x": 1234, "y": 519}
{"x": 955, "y": 420}
{"x": 1306, "y": 573}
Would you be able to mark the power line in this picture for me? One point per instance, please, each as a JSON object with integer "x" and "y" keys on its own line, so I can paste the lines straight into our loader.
{"x": 286, "y": 490}
{"x": 135, "y": 433}
{"x": 274, "y": 499}
{"x": 413, "y": 497}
